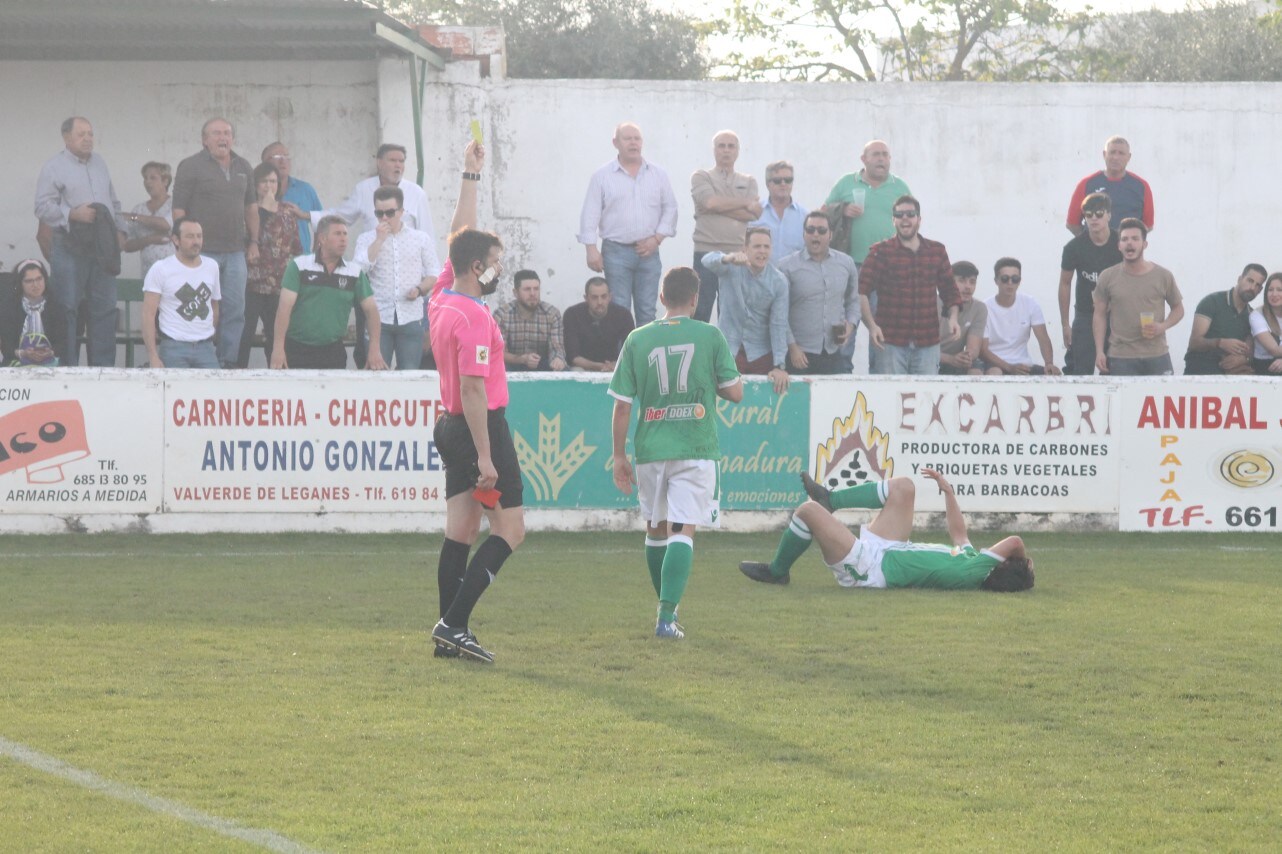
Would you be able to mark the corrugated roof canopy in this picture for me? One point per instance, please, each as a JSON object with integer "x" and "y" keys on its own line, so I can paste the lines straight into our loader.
{"x": 175, "y": 30}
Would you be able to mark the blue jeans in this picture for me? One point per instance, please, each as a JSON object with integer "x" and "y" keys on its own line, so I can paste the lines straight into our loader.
{"x": 919, "y": 361}
{"x": 188, "y": 354}
{"x": 75, "y": 280}
{"x": 634, "y": 281}
{"x": 1151, "y": 366}
{"x": 405, "y": 340}
{"x": 232, "y": 275}
{"x": 707, "y": 289}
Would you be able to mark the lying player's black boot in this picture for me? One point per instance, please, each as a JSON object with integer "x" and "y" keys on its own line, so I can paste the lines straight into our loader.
{"x": 817, "y": 493}
{"x": 761, "y": 572}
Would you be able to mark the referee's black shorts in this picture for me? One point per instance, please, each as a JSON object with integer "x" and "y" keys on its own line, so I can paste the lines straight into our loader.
{"x": 458, "y": 453}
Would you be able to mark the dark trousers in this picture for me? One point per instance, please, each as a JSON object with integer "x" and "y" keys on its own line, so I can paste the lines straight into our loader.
{"x": 822, "y": 363}
{"x": 258, "y": 307}
{"x": 324, "y": 356}
{"x": 707, "y": 289}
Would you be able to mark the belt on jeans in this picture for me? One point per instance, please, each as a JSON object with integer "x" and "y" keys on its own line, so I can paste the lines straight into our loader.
{"x": 632, "y": 245}
{"x": 164, "y": 337}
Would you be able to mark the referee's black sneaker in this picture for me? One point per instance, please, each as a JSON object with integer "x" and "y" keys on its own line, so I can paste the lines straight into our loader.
{"x": 461, "y": 641}
{"x": 761, "y": 572}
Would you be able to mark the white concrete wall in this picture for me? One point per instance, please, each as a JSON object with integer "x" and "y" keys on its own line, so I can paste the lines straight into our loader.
{"x": 327, "y": 112}
{"x": 994, "y": 165}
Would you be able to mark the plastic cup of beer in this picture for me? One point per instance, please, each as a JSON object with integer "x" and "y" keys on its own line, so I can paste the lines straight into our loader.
{"x": 1146, "y": 319}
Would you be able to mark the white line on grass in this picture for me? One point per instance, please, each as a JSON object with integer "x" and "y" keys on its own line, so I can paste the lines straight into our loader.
{"x": 89, "y": 780}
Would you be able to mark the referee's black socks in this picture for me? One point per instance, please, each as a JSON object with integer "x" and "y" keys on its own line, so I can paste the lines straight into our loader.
{"x": 450, "y": 571}
{"x": 481, "y": 570}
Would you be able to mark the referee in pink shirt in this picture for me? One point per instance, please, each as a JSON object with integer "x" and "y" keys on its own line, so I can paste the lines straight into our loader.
{"x": 482, "y": 474}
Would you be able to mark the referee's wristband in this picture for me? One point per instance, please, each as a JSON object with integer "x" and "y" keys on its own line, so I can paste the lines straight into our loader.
{"x": 471, "y": 176}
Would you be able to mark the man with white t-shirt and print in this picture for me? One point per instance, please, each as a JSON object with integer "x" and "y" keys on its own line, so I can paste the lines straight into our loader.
{"x": 180, "y": 303}
{"x": 1012, "y": 319}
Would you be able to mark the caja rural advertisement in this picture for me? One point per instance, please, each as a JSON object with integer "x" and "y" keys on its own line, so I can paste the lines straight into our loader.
{"x": 562, "y": 432}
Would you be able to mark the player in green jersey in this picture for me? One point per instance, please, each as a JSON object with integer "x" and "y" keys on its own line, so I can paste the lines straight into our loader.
{"x": 675, "y": 368}
{"x": 882, "y": 556}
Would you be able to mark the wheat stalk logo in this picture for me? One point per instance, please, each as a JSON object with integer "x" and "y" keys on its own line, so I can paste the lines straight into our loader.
{"x": 551, "y": 466}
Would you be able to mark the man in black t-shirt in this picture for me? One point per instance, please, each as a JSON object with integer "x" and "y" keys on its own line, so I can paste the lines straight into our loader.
{"x": 1085, "y": 256}
{"x": 595, "y": 329}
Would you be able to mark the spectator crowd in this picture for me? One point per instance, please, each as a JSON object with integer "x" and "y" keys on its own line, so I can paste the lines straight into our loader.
{"x": 236, "y": 255}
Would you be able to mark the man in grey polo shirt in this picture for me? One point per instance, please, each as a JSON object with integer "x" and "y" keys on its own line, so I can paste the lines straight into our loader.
{"x": 71, "y": 182}
{"x": 823, "y": 301}
{"x": 725, "y": 201}
{"x": 215, "y": 187}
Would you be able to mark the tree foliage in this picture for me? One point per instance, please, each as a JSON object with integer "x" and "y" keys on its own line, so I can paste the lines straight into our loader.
{"x": 615, "y": 39}
{"x": 903, "y": 39}
{"x": 1224, "y": 41}
{"x": 1004, "y": 40}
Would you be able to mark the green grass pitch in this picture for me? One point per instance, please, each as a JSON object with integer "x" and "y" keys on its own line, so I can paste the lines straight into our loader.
{"x": 1132, "y": 701}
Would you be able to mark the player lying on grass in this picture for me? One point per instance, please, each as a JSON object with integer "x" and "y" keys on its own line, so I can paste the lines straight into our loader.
{"x": 882, "y": 556}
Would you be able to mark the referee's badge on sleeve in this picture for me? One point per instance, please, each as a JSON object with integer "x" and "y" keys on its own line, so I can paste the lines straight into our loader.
{"x": 482, "y": 354}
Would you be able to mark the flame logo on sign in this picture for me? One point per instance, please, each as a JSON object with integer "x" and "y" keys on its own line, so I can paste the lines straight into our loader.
{"x": 1246, "y": 469}
{"x": 857, "y": 452}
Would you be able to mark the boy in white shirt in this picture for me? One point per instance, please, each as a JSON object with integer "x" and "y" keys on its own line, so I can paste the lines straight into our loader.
{"x": 1012, "y": 318}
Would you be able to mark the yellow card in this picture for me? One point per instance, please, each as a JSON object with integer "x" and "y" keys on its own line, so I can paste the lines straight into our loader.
{"x": 476, "y": 131}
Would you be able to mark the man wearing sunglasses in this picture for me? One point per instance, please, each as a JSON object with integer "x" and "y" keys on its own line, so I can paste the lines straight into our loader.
{"x": 906, "y": 273}
{"x": 780, "y": 213}
{"x": 402, "y": 265}
{"x": 823, "y": 301}
{"x": 1086, "y": 256}
{"x": 1012, "y": 318}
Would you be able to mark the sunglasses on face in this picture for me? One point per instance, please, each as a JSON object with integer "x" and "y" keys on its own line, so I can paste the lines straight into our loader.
{"x": 780, "y": 180}
{"x": 904, "y": 214}
{"x": 1007, "y": 280}
{"x": 387, "y": 214}
{"x": 1095, "y": 214}
{"x": 816, "y": 229}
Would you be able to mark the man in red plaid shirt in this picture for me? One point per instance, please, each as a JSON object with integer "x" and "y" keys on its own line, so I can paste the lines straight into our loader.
{"x": 908, "y": 272}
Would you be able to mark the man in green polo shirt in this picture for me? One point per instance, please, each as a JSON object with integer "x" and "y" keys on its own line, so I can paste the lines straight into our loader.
{"x": 1221, "y": 339}
{"x": 317, "y": 294}
{"x": 866, "y": 199}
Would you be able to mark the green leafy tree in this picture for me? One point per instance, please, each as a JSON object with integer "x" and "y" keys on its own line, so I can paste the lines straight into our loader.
{"x": 903, "y": 39}
{"x": 615, "y": 39}
{"x": 1224, "y": 41}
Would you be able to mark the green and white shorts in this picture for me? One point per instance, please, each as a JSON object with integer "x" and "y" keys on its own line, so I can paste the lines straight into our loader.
{"x": 861, "y": 567}
{"x": 685, "y": 491}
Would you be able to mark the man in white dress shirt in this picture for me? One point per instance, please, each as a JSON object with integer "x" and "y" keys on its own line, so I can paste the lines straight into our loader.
{"x": 402, "y": 266}
{"x": 630, "y": 208}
